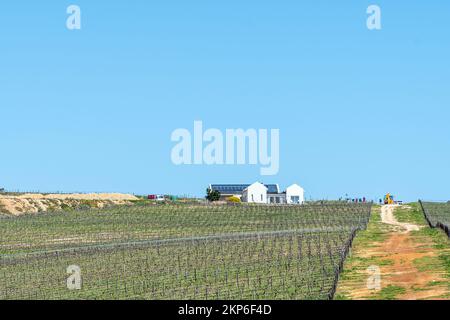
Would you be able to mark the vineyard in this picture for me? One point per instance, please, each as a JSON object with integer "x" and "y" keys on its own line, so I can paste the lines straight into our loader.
{"x": 180, "y": 252}
{"x": 437, "y": 215}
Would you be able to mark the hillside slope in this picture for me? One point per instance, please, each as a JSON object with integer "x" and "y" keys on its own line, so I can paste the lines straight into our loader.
{"x": 412, "y": 259}
{"x": 34, "y": 203}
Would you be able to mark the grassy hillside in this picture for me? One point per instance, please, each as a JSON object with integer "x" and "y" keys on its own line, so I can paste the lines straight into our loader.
{"x": 414, "y": 265}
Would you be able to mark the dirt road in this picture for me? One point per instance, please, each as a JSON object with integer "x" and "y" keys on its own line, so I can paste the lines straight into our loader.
{"x": 387, "y": 216}
{"x": 407, "y": 257}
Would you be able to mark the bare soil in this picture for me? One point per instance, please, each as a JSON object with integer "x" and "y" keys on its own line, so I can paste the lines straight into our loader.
{"x": 398, "y": 258}
{"x": 34, "y": 203}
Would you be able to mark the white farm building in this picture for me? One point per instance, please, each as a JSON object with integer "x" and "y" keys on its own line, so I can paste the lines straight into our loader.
{"x": 261, "y": 193}
{"x": 255, "y": 193}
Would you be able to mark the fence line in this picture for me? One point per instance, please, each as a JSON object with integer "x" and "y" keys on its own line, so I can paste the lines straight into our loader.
{"x": 262, "y": 252}
{"x": 434, "y": 222}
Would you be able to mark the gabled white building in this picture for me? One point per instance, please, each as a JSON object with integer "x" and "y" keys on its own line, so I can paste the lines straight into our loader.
{"x": 295, "y": 194}
{"x": 261, "y": 193}
{"x": 255, "y": 193}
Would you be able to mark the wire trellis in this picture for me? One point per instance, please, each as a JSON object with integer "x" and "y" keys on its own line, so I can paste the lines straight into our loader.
{"x": 180, "y": 252}
{"x": 437, "y": 215}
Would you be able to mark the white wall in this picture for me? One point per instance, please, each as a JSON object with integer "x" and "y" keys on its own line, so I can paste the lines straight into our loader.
{"x": 255, "y": 193}
{"x": 293, "y": 193}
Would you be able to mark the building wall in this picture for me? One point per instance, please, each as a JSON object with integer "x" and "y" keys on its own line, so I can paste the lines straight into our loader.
{"x": 295, "y": 194}
{"x": 279, "y": 198}
{"x": 255, "y": 193}
{"x": 258, "y": 193}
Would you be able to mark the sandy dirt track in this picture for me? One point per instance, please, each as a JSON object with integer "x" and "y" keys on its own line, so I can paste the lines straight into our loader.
{"x": 387, "y": 216}
{"x": 408, "y": 260}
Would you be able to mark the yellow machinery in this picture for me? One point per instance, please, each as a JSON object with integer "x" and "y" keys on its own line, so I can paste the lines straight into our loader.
{"x": 389, "y": 199}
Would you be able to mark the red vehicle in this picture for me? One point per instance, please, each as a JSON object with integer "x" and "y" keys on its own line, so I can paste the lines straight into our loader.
{"x": 156, "y": 197}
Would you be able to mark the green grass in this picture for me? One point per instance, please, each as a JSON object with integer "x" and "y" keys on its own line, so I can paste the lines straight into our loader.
{"x": 439, "y": 239}
{"x": 442, "y": 244}
{"x": 427, "y": 263}
{"x": 389, "y": 293}
{"x": 378, "y": 232}
{"x": 413, "y": 215}
{"x": 355, "y": 265}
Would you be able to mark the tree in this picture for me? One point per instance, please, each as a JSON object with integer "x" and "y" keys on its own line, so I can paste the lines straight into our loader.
{"x": 212, "y": 195}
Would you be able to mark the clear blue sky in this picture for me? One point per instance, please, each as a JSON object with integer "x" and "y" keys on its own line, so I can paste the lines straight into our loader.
{"x": 360, "y": 112}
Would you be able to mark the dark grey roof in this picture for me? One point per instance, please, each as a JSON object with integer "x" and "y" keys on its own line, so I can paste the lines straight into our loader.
{"x": 239, "y": 188}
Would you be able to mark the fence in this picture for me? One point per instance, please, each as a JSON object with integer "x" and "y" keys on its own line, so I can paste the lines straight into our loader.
{"x": 437, "y": 215}
{"x": 180, "y": 252}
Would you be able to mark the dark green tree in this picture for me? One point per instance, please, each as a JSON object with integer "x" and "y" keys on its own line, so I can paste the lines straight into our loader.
{"x": 212, "y": 195}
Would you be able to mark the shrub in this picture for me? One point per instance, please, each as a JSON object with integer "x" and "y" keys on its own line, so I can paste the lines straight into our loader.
{"x": 234, "y": 199}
